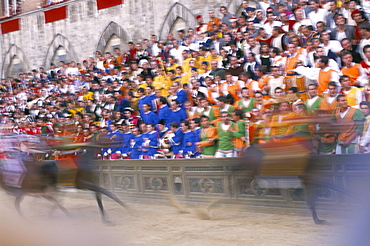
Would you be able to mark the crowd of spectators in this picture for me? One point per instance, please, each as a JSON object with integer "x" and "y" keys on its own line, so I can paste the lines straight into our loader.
{"x": 278, "y": 71}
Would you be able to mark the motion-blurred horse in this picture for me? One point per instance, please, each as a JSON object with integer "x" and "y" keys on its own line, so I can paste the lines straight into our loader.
{"x": 286, "y": 165}
{"x": 40, "y": 175}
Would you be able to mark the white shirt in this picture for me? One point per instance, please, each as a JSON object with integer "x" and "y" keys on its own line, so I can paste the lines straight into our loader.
{"x": 320, "y": 15}
{"x": 177, "y": 53}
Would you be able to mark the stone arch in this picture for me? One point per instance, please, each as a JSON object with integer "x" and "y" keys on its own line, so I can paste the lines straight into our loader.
{"x": 176, "y": 11}
{"x": 113, "y": 30}
{"x": 58, "y": 42}
{"x": 178, "y": 24}
{"x": 14, "y": 53}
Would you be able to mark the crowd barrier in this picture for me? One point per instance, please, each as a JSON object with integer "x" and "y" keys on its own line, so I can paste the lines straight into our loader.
{"x": 207, "y": 180}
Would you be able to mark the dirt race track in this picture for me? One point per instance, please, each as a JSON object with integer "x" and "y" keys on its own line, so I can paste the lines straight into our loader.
{"x": 154, "y": 224}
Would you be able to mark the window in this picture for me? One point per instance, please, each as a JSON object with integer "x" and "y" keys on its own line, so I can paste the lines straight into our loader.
{"x": 11, "y": 7}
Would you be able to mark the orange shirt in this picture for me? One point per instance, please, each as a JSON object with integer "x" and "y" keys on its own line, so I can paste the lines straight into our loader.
{"x": 353, "y": 72}
{"x": 324, "y": 79}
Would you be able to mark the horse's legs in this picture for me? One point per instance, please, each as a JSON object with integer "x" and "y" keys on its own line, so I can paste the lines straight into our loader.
{"x": 102, "y": 212}
{"x": 310, "y": 199}
{"x": 55, "y": 201}
{"x": 98, "y": 189}
{"x": 17, "y": 204}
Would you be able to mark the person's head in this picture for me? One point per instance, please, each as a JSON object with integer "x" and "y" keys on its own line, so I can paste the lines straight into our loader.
{"x": 252, "y": 42}
{"x": 300, "y": 108}
{"x": 203, "y": 102}
{"x": 135, "y": 131}
{"x": 358, "y": 16}
{"x": 320, "y": 26}
{"x": 284, "y": 107}
{"x": 274, "y": 51}
{"x": 174, "y": 104}
{"x": 270, "y": 16}
{"x": 275, "y": 71}
{"x": 365, "y": 29}
{"x": 278, "y": 92}
{"x": 229, "y": 78}
{"x": 194, "y": 123}
{"x": 346, "y": 44}
{"x": 365, "y": 107}
{"x": 146, "y": 107}
{"x": 233, "y": 60}
{"x": 323, "y": 62}
{"x": 223, "y": 10}
{"x": 141, "y": 92}
{"x": 258, "y": 96}
{"x": 312, "y": 90}
{"x": 237, "y": 114}
{"x": 347, "y": 58}
{"x": 342, "y": 101}
{"x": 314, "y": 5}
{"x": 211, "y": 14}
{"x": 150, "y": 127}
{"x": 251, "y": 57}
{"x": 320, "y": 51}
{"x": 339, "y": 19}
{"x": 325, "y": 36}
{"x": 332, "y": 6}
{"x": 185, "y": 125}
{"x": 366, "y": 51}
{"x": 332, "y": 86}
{"x": 222, "y": 101}
{"x": 245, "y": 93}
{"x": 345, "y": 81}
{"x": 204, "y": 121}
{"x": 292, "y": 48}
{"x": 225, "y": 117}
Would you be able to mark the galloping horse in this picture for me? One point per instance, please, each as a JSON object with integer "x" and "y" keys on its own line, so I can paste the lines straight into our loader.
{"x": 286, "y": 165}
{"x": 43, "y": 175}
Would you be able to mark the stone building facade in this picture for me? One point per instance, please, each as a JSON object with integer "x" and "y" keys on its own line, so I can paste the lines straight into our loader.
{"x": 87, "y": 29}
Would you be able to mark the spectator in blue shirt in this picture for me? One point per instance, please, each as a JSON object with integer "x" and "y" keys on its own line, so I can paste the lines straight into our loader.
{"x": 177, "y": 114}
{"x": 148, "y": 116}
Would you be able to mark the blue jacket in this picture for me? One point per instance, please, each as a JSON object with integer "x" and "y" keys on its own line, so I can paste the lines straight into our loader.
{"x": 152, "y": 142}
{"x": 176, "y": 141}
{"x": 176, "y": 116}
{"x": 189, "y": 137}
{"x": 150, "y": 117}
{"x": 164, "y": 113}
{"x": 126, "y": 140}
{"x": 135, "y": 147}
{"x": 116, "y": 142}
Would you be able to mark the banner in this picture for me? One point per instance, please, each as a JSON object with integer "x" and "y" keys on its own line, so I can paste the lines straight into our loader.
{"x": 10, "y": 26}
{"x": 102, "y": 4}
{"x": 55, "y": 14}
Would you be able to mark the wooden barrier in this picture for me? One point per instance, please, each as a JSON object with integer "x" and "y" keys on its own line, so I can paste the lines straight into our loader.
{"x": 206, "y": 180}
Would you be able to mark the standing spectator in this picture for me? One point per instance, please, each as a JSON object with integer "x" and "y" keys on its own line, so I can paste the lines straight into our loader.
{"x": 353, "y": 94}
{"x": 351, "y": 125}
{"x": 136, "y": 144}
{"x": 317, "y": 14}
{"x": 175, "y": 136}
{"x": 150, "y": 142}
{"x": 148, "y": 116}
{"x": 208, "y": 135}
{"x": 365, "y": 136}
{"x": 213, "y": 21}
{"x": 189, "y": 140}
{"x": 176, "y": 114}
{"x": 239, "y": 132}
{"x": 365, "y": 31}
{"x": 225, "y": 147}
{"x": 227, "y": 16}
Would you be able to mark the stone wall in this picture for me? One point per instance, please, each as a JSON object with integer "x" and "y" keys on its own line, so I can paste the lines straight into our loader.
{"x": 87, "y": 29}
